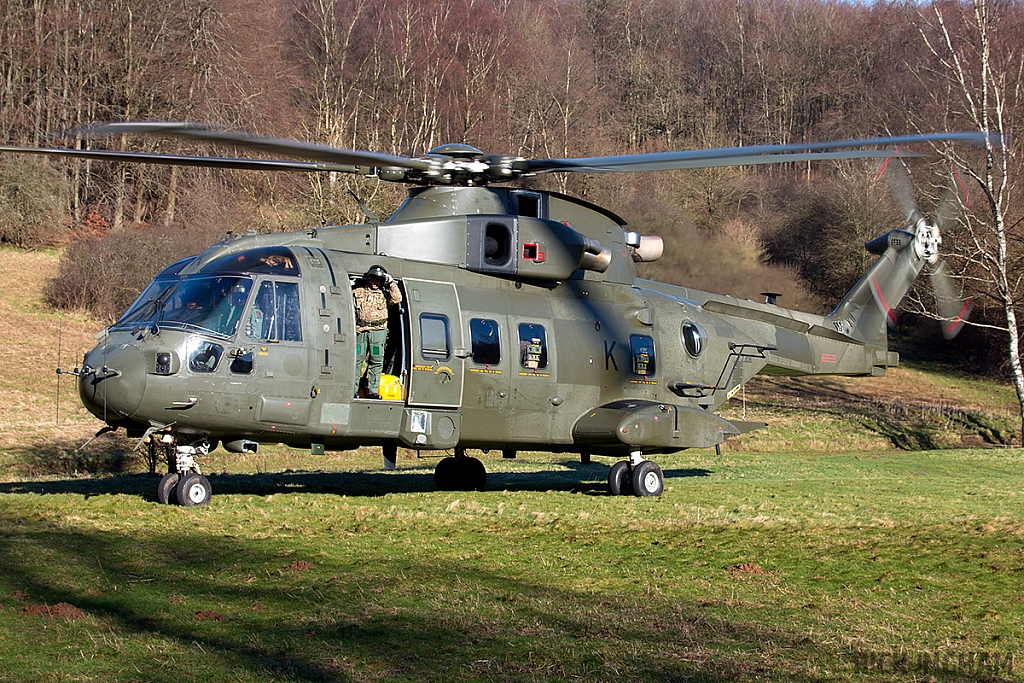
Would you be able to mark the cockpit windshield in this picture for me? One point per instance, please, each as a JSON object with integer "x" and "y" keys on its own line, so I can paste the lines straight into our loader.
{"x": 211, "y": 303}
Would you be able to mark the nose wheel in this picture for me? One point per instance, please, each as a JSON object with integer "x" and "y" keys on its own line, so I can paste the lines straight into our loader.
{"x": 165, "y": 490}
{"x": 636, "y": 476}
{"x": 184, "y": 484}
{"x": 193, "y": 489}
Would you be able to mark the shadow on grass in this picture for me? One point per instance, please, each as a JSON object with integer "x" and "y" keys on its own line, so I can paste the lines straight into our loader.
{"x": 109, "y": 454}
{"x": 383, "y": 613}
{"x": 576, "y": 478}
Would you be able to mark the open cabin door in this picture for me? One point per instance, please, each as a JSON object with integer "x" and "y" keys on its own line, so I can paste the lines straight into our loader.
{"x": 437, "y": 350}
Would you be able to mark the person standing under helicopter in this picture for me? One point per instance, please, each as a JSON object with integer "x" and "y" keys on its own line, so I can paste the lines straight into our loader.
{"x": 372, "y": 294}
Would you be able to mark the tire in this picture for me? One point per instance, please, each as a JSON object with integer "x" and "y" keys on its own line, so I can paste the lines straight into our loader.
{"x": 619, "y": 482}
{"x": 390, "y": 452}
{"x": 648, "y": 479}
{"x": 445, "y": 474}
{"x": 474, "y": 475}
{"x": 165, "y": 490}
{"x": 193, "y": 489}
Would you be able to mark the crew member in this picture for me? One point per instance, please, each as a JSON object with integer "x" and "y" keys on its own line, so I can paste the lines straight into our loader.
{"x": 372, "y": 294}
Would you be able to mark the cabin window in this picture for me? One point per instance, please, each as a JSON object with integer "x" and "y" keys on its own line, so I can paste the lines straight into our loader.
{"x": 243, "y": 364}
{"x": 275, "y": 313}
{"x": 204, "y": 356}
{"x": 694, "y": 338}
{"x": 533, "y": 346}
{"x": 641, "y": 348}
{"x": 486, "y": 344}
{"x": 435, "y": 340}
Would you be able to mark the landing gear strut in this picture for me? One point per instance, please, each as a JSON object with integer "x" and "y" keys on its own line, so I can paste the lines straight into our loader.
{"x": 636, "y": 476}
{"x": 183, "y": 484}
{"x": 460, "y": 473}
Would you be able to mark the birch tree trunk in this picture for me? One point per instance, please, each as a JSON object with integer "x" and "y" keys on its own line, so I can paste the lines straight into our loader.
{"x": 985, "y": 76}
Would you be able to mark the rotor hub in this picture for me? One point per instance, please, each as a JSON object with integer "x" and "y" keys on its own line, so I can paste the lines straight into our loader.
{"x": 926, "y": 241}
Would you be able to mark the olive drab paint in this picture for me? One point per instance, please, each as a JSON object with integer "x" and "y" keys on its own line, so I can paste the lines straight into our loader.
{"x": 516, "y": 321}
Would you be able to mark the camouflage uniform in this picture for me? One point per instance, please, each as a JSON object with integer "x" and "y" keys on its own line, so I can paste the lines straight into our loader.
{"x": 372, "y": 329}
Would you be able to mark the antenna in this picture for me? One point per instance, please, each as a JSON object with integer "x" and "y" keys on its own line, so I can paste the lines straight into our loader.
{"x": 77, "y": 372}
{"x": 60, "y": 334}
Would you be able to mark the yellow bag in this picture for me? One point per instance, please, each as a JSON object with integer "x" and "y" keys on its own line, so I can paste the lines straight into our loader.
{"x": 390, "y": 388}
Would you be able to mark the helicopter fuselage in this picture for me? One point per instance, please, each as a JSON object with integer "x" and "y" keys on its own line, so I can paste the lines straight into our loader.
{"x": 523, "y": 326}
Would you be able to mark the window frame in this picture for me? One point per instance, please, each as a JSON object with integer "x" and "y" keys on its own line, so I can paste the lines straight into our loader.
{"x": 274, "y": 283}
{"x": 434, "y": 355}
{"x": 495, "y": 329}
{"x": 544, "y": 359}
{"x": 635, "y": 340}
{"x": 700, "y": 338}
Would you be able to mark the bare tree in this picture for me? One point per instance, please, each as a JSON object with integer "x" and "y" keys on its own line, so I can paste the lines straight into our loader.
{"x": 977, "y": 50}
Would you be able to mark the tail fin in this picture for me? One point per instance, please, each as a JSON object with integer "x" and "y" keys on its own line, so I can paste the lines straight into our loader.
{"x": 869, "y": 306}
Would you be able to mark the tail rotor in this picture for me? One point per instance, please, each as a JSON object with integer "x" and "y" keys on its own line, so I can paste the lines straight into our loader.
{"x": 952, "y": 308}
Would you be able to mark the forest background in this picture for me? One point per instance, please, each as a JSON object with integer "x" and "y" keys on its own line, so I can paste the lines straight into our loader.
{"x": 537, "y": 78}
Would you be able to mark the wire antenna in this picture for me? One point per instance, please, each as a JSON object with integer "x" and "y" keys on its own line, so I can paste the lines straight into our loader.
{"x": 60, "y": 334}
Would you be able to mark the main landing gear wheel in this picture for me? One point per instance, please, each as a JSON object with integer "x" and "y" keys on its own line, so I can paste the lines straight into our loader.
{"x": 474, "y": 475}
{"x": 460, "y": 474}
{"x": 193, "y": 489}
{"x": 390, "y": 451}
{"x": 620, "y": 482}
{"x": 444, "y": 474}
{"x": 648, "y": 479}
{"x": 165, "y": 493}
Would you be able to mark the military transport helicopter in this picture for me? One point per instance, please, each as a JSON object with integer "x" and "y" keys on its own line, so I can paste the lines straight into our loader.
{"x": 523, "y": 326}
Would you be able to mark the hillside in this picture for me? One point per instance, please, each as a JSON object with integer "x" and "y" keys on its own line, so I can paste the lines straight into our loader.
{"x": 29, "y": 340}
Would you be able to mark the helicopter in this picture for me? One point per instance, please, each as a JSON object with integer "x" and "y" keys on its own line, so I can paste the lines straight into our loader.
{"x": 523, "y": 324}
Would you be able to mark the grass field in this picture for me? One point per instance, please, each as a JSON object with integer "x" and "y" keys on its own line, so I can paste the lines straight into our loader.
{"x": 814, "y": 550}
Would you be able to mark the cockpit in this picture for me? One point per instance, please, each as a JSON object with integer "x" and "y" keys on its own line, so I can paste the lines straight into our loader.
{"x": 216, "y": 299}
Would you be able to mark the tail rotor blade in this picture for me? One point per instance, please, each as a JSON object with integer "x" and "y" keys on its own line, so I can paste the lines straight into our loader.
{"x": 883, "y": 305}
{"x": 954, "y": 202}
{"x": 897, "y": 177}
{"x": 952, "y": 308}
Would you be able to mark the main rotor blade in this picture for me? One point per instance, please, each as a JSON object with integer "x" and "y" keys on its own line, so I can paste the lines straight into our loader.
{"x": 185, "y": 160}
{"x": 295, "y": 148}
{"x": 741, "y": 156}
{"x": 672, "y": 161}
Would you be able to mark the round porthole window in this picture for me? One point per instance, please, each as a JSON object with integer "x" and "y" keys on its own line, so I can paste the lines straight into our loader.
{"x": 694, "y": 338}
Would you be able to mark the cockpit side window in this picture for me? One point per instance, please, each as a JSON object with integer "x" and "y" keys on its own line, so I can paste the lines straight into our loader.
{"x": 275, "y": 313}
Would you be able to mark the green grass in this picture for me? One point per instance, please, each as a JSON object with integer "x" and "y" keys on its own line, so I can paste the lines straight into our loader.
{"x": 867, "y": 558}
{"x": 813, "y": 550}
